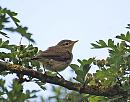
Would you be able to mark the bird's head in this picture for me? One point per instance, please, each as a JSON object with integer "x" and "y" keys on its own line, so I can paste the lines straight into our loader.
{"x": 67, "y": 44}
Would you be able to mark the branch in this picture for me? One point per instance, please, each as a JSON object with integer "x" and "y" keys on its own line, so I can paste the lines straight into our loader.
{"x": 92, "y": 90}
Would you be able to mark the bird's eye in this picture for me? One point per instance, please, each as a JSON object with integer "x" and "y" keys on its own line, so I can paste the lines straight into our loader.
{"x": 66, "y": 43}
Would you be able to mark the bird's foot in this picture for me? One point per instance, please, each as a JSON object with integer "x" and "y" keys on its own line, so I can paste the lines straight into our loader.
{"x": 60, "y": 75}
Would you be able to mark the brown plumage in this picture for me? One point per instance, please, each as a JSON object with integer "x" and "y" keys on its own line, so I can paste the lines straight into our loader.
{"x": 56, "y": 58}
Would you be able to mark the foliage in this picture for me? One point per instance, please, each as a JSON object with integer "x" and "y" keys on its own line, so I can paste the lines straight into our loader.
{"x": 82, "y": 70}
{"x": 5, "y": 17}
{"x": 16, "y": 54}
{"x": 113, "y": 70}
{"x": 15, "y": 94}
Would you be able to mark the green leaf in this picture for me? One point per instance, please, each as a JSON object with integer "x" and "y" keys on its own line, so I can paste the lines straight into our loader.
{"x": 100, "y": 44}
{"x": 11, "y": 29}
{"x": 19, "y": 29}
{"x": 128, "y": 26}
{"x": 15, "y": 20}
{"x": 95, "y": 45}
{"x": 79, "y": 79}
{"x": 86, "y": 69}
{"x": 79, "y": 73}
{"x": 79, "y": 61}
{"x": 90, "y": 60}
{"x": 22, "y": 31}
{"x": 111, "y": 43}
{"x": 94, "y": 98}
{"x": 4, "y": 34}
{"x": 74, "y": 67}
{"x": 86, "y": 65}
{"x": 125, "y": 37}
{"x": 4, "y": 44}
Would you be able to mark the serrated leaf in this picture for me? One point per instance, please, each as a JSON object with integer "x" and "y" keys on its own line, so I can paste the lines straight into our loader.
{"x": 90, "y": 60}
{"x": 128, "y": 24}
{"x": 86, "y": 68}
{"x": 11, "y": 29}
{"x": 79, "y": 73}
{"x": 95, "y": 45}
{"x": 15, "y": 20}
{"x": 102, "y": 43}
{"x": 4, "y": 34}
{"x": 0, "y": 40}
{"x": 22, "y": 31}
{"x": 74, "y": 67}
{"x": 79, "y": 79}
{"x": 125, "y": 37}
{"x": 77, "y": 69}
{"x": 110, "y": 43}
{"x": 6, "y": 42}
{"x": 79, "y": 61}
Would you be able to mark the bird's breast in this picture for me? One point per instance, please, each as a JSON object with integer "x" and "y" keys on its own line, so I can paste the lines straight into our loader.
{"x": 56, "y": 65}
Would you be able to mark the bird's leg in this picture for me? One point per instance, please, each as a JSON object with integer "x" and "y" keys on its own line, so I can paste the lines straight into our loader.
{"x": 51, "y": 63}
{"x": 59, "y": 75}
{"x": 44, "y": 69}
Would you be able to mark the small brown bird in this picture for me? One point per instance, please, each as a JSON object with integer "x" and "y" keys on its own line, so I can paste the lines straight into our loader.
{"x": 58, "y": 57}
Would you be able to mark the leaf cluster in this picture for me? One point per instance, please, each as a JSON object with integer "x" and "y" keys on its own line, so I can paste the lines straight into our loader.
{"x": 114, "y": 70}
{"x": 16, "y": 54}
{"x": 8, "y": 16}
{"x": 15, "y": 94}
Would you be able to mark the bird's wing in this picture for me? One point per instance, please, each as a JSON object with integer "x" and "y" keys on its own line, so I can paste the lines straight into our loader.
{"x": 58, "y": 54}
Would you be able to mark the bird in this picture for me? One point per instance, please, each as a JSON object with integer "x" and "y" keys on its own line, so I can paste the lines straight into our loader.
{"x": 58, "y": 57}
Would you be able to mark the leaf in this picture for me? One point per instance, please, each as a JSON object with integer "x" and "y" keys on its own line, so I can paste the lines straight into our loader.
{"x": 4, "y": 19}
{"x": 1, "y": 26}
{"x": 128, "y": 26}
{"x": 90, "y": 60}
{"x": 79, "y": 79}
{"x": 11, "y": 29}
{"x": 22, "y": 31}
{"x": 95, "y": 45}
{"x": 15, "y": 20}
{"x": 4, "y": 55}
{"x": 100, "y": 44}
{"x": 111, "y": 43}
{"x": 74, "y": 66}
{"x": 94, "y": 98}
{"x": 86, "y": 68}
{"x": 125, "y": 37}
{"x": 4, "y": 34}
{"x": 19, "y": 29}
{"x": 4, "y": 44}
{"x": 78, "y": 71}
{"x": 79, "y": 61}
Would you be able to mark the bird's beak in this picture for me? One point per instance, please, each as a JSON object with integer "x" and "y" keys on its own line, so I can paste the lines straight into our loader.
{"x": 75, "y": 41}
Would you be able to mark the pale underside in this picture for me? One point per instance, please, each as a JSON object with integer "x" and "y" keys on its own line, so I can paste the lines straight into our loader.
{"x": 53, "y": 65}
{"x": 54, "y": 59}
